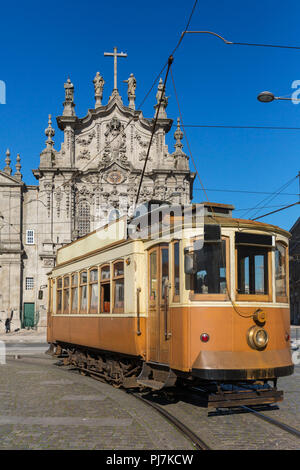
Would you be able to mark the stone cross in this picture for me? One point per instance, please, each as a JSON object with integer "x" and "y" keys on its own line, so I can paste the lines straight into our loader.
{"x": 115, "y": 54}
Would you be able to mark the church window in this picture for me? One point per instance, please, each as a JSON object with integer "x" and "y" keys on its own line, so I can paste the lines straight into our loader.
{"x": 83, "y": 218}
{"x": 30, "y": 237}
{"x": 29, "y": 283}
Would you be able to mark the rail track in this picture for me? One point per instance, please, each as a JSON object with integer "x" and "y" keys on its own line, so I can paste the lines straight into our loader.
{"x": 185, "y": 430}
{"x": 275, "y": 422}
{"x": 196, "y": 440}
{"x": 198, "y": 443}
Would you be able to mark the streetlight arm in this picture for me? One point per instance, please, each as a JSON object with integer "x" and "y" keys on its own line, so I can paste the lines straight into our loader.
{"x": 207, "y": 32}
{"x": 267, "y": 97}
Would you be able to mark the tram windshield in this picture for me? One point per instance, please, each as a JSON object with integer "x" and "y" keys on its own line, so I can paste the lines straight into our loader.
{"x": 208, "y": 269}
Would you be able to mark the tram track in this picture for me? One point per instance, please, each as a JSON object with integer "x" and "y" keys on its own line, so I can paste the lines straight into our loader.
{"x": 197, "y": 442}
{"x": 275, "y": 422}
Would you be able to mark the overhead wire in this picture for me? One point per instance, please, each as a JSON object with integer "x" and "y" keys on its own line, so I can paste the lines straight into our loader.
{"x": 234, "y": 306}
{"x": 270, "y": 197}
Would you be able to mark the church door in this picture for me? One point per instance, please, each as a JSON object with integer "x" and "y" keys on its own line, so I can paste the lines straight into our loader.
{"x": 28, "y": 318}
{"x": 159, "y": 344}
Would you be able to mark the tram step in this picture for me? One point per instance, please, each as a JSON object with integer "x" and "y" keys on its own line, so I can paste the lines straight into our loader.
{"x": 154, "y": 384}
{"x": 156, "y": 376}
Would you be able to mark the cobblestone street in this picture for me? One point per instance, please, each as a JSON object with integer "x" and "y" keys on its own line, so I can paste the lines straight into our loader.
{"x": 47, "y": 407}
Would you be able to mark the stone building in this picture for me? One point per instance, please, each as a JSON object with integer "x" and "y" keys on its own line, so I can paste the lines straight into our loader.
{"x": 294, "y": 252}
{"x": 91, "y": 179}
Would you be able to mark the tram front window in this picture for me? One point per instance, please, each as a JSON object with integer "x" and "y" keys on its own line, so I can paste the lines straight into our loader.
{"x": 252, "y": 263}
{"x": 209, "y": 267}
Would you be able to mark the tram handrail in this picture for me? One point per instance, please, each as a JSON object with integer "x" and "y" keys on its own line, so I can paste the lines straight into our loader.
{"x": 138, "y": 291}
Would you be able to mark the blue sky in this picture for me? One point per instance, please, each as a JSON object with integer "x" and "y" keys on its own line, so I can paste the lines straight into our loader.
{"x": 41, "y": 44}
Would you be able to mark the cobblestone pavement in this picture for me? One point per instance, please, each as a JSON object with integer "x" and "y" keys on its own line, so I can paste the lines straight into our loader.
{"x": 43, "y": 406}
{"x": 241, "y": 431}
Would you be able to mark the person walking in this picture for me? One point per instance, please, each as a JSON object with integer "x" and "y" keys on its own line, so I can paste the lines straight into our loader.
{"x": 7, "y": 325}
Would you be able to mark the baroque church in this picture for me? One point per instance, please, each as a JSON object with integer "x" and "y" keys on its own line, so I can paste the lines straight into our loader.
{"x": 93, "y": 177}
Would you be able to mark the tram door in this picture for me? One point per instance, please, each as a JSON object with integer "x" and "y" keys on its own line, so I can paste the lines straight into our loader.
{"x": 158, "y": 304}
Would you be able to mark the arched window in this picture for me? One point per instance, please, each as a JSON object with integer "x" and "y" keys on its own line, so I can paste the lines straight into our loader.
{"x": 83, "y": 218}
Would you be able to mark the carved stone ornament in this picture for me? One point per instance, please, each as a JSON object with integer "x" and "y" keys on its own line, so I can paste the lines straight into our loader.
{"x": 115, "y": 177}
{"x": 84, "y": 154}
{"x": 86, "y": 141}
{"x": 115, "y": 143}
{"x": 48, "y": 262}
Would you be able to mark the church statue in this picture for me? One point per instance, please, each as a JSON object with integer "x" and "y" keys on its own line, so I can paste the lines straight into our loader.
{"x": 161, "y": 101}
{"x": 131, "y": 90}
{"x": 69, "y": 90}
{"x": 98, "y": 84}
{"x": 160, "y": 95}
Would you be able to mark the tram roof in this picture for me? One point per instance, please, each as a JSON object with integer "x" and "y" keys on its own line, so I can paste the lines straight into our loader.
{"x": 116, "y": 232}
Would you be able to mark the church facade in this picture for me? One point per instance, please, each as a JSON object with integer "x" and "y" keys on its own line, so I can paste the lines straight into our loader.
{"x": 93, "y": 178}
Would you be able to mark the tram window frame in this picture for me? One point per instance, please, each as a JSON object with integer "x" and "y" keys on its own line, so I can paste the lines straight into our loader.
{"x": 104, "y": 282}
{"x": 66, "y": 288}
{"x": 59, "y": 295}
{"x": 91, "y": 283}
{"x": 115, "y": 279}
{"x": 214, "y": 296}
{"x": 81, "y": 286}
{"x": 74, "y": 286}
{"x": 176, "y": 296}
{"x": 282, "y": 298}
{"x": 266, "y": 251}
{"x": 50, "y": 296}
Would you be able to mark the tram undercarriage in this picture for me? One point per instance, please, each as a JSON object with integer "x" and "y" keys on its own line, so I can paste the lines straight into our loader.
{"x": 132, "y": 373}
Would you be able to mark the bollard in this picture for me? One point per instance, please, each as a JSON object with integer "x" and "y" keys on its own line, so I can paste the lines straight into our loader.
{"x": 2, "y": 353}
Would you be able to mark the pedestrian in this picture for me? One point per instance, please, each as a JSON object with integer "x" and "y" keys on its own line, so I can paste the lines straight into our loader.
{"x": 7, "y": 325}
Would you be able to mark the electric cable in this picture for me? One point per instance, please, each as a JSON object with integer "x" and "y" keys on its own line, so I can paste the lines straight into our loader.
{"x": 234, "y": 306}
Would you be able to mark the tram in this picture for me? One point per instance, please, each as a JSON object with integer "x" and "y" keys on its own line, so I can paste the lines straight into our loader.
{"x": 165, "y": 300}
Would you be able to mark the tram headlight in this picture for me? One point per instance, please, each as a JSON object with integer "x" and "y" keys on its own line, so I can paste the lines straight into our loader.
{"x": 257, "y": 337}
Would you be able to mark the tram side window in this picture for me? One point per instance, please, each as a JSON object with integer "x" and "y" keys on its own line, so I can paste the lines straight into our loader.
{"x": 66, "y": 298}
{"x": 209, "y": 267}
{"x": 59, "y": 295}
{"x": 153, "y": 276}
{"x": 83, "y": 292}
{"x": 176, "y": 271}
{"x": 118, "y": 287}
{"x": 252, "y": 263}
{"x": 105, "y": 289}
{"x": 93, "y": 291}
{"x": 280, "y": 271}
{"x": 74, "y": 293}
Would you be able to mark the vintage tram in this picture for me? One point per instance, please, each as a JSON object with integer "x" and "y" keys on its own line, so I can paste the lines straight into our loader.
{"x": 199, "y": 299}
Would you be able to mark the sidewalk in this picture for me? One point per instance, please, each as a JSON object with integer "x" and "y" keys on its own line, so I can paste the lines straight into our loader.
{"x": 24, "y": 336}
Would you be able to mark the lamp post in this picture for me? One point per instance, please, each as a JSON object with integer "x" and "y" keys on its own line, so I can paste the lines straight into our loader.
{"x": 267, "y": 97}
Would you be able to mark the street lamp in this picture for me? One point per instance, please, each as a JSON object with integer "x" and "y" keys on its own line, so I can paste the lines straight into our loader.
{"x": 267, "y": 97}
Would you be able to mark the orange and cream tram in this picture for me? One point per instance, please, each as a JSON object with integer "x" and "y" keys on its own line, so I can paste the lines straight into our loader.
{"x": 204, "y": 304}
